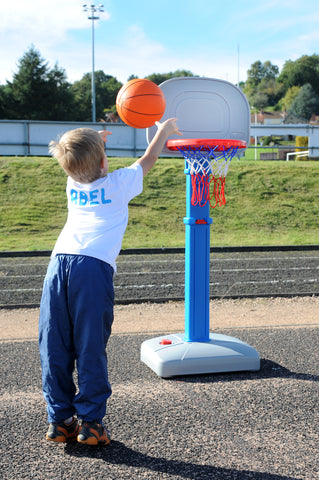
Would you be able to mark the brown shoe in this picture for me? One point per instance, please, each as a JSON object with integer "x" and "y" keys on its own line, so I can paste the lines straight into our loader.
{"x": 93, "y": 433}
{"x": 61, "y": 432}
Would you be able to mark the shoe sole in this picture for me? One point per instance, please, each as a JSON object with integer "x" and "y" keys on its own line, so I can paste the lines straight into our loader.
{"x": 56, "y": 439}
{"x": 94, "y": 442}
{"x": 61, "y": 439}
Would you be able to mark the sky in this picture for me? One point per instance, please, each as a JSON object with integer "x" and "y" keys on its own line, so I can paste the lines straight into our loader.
{"x": 217, "y": 39}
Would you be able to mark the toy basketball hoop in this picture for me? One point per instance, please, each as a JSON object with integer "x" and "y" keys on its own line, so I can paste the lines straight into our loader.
{"x": 208, "y": 112}
{"x": 208, "y": 161}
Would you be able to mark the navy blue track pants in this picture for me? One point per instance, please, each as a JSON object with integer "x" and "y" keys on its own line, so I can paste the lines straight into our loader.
{"x": 76, "y": 316}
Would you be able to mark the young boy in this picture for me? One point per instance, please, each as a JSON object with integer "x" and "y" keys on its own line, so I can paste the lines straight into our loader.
{"x": 76, "y": 311}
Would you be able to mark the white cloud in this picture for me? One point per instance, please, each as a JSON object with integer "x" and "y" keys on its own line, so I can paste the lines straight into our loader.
{"x": 129, "y": 43}
{"x": 135, "y": 54}
{"x": 41, "y": 22}
{"x": 50, "y": 28}
{"x": 309, "y": 38}
{"x": 138, "y": 43}
{"x": 44, "y": 18}
{"x": 45, "y": 24}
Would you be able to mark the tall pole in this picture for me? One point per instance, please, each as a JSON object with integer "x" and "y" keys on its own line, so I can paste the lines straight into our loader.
{"x": 238, "y": 65}
{"x": 197, "y": 249}
{"x": 93, "y": 10}
{"x": 255, "y": 135}
{"x": 93, "y": 75}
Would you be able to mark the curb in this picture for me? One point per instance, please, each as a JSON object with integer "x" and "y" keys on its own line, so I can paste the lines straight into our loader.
{"x": 176, "y": 250}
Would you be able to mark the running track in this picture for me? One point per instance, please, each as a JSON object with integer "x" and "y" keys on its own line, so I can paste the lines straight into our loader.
{"x": 158, "y": 275}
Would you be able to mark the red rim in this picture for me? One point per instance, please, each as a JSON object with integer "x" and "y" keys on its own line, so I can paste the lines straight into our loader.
{"x": 219, "y": 143}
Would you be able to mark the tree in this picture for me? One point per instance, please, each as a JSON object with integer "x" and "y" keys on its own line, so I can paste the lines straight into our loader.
{"x": 266, "y": 94}
{"x": 261, "y": 87}
{"x": 159, "y": 78}
{"x": 306, "y": 102}
{"x": 260, "y": 71}
{"x": 81, "y": 90}
{"x": 259, "y": 100}
{"x": 27, "y": 89}
{"x": 3, "y": 102}
{"x": 62, "y": 106}
{"x": 286, "y": 101}
{"x": 36, "y": 92}
{"x": 106, "y": 89}
{"x": 112, "y": 87}
{"x": 301, "y": 71}
{"x": 272, "y": 89}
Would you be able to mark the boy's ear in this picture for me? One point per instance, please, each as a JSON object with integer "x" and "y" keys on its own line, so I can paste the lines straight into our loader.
{"x": 104, "y": 164}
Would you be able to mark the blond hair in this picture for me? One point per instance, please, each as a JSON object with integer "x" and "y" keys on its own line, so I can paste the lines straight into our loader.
{"x": 79, "y": 152}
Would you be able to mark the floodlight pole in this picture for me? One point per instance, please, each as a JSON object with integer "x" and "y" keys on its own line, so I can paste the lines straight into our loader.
{"x": 93, "y": 10}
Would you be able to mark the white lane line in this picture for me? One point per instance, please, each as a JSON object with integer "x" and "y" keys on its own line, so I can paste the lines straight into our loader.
{"x": 214, "y": 284}
{"x": 174, "y": 285}
{"x": 228, "y": 270}
{"x": 161, "y": 261}
{"x": 179, "y": 272}
{"x": 214, "y": 259}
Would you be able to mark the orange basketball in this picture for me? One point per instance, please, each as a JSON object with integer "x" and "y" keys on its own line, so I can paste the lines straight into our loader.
{"x": 140, "y": 103}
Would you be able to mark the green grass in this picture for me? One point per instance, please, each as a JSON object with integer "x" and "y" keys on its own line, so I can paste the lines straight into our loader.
{"x": 268, "y": 203}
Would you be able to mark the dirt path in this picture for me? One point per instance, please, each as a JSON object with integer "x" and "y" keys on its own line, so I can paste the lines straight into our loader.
{"x": 169, "y": 317}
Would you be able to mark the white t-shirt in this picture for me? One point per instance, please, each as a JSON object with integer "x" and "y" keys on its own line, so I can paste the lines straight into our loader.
{"x": 98, "y": 214}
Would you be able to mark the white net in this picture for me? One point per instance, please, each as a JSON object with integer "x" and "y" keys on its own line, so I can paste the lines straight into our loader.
{"x": 208, "y": 169}
{"x": 209, "y": 160}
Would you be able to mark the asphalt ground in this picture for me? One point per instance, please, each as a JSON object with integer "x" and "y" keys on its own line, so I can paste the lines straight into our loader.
{"x": 248, "y": 425}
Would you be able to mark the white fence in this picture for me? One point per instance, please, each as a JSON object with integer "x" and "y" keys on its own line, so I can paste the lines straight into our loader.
{"x": 32, "y": 137}
{"x": 18, "y": 137}
{"x": 303, "y": 130}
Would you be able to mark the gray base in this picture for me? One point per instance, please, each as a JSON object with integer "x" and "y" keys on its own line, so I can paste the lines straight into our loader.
{"x": 220, "y": 354}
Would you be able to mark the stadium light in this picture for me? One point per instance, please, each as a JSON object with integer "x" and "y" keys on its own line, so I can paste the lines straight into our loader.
{"x": 93, "y": 12}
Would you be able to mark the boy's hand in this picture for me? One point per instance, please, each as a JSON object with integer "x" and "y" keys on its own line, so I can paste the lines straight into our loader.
{"x": 169, "y": 126}
{"x": 157, "y": 144}
{"x": 104, "y": 134}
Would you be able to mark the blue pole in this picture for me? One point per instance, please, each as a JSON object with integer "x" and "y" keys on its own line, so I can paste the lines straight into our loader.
{"x": 197, "y": 248}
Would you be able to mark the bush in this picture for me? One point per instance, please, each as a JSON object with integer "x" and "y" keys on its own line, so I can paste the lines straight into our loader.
{"x": 301, "y": 142}
{"x": 266, "y": 141}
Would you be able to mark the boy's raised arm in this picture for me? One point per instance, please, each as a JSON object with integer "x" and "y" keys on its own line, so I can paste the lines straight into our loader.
{"x": 164, "y": 130}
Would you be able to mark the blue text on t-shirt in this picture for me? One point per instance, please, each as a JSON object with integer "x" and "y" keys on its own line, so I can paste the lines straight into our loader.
{"x": 93, "y": 197}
